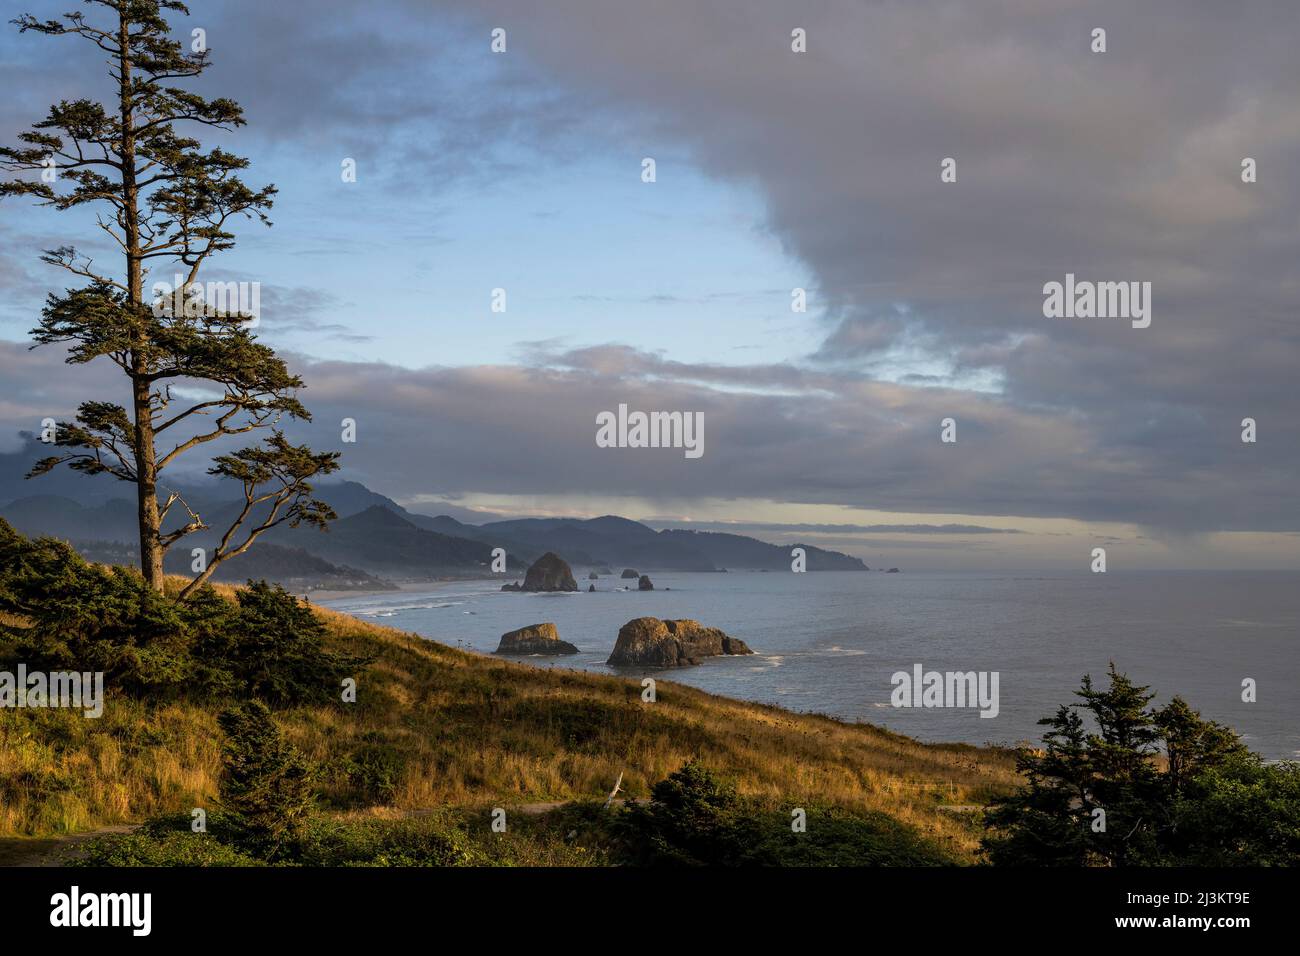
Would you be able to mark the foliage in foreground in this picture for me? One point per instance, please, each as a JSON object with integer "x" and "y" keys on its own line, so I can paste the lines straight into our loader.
{"x": 268, "y": 785}
{"x": 66, "y": 614}
{"x": 694, "y": 819}
{"x": 1147, "y": 787}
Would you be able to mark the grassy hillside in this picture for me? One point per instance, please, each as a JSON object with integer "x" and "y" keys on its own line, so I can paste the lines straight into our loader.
{"x": 435, "y": 726}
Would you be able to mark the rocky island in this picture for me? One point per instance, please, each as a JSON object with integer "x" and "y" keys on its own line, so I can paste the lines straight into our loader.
{"x": 534, "y": 639}
{"x": 650, "y": 642}
{"x": 550, "y": 572}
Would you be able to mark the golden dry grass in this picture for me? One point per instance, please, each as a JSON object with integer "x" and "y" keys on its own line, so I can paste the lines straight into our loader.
{"x": 464, "y": 729}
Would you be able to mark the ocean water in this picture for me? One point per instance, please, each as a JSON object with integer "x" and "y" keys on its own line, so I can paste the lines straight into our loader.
{"x": 829, "y": 642}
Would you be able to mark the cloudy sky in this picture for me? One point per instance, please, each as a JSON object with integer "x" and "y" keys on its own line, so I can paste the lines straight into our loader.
{"x": 775, "y": 170}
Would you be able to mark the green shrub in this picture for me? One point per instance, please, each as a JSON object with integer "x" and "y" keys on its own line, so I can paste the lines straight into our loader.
{"x": 84, "y": 617}
{"x": 430, "y": 840}
{"x": 1104, "y": 796}
{"x": 273, "y": 648}
{"x": 693, "y": 818}
{"x": 696, "y": 819}
{"x": 167, "y": 849}
{"x": 1241, "y": 812}
{"x": 266, "y": 783}
{"x": 376, "y": 769}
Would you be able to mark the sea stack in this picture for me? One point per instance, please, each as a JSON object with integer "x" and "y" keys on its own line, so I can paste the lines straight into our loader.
{"x": 645, "y": 584}
{"x": 650, "y": 642}
{"x": 534, "y": 639}
{"x": 629, "y": 573}
{"x": 549, "y": 573}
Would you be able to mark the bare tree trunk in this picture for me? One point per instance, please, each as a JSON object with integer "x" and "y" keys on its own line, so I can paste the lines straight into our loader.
{"x": 151, "y": 552}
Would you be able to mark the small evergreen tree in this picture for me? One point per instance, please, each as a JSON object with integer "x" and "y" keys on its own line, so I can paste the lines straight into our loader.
{"x": 1193, "y": 744}
{"x": 1150, "y": 814}
{"x": 1046, "y": 823}
{"x": 266, "y": 783}
{"x": 1124, "y": 781}
{"x": 693, "y": 818}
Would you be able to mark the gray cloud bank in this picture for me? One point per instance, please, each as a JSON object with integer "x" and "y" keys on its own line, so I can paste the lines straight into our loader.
{"x": 1123, "y": 165}
{"x": 840, "y": 439}
{"x": 746, "y": 527}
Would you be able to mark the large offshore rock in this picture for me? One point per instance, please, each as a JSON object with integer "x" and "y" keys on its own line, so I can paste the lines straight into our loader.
{"x": 650, "y": 642}
{"x": 549, "y": 573}
{"x": 535, "y": 639}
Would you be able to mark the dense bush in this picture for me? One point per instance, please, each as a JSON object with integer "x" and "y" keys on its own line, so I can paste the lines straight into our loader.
{"x": 446, "y": 838}
{"x": 272, "y": 648}
{"x": 178, "y": 848}
{"x": 1242, "y": 812}
{"x": 693, "y": 818}
{"x": 431, "y": 840}
{"x": 266, "y": 784}
{"x": 696, "y": 819}
{"x": 1146, "y": 787}
{"x": 169, "y": 840}
{"x": 84, "y": 617}
{"x": 376, "y": 768}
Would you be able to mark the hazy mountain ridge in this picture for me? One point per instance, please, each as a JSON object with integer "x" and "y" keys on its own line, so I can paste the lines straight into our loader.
{"x": 295, "y": 568}
{"x": 376, "y": 536}
{"x": 741, "y": 551}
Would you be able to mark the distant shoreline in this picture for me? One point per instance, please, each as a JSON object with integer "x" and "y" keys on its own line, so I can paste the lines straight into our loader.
{"x": 409, "y": 587}
{"x": 416, "y": 587}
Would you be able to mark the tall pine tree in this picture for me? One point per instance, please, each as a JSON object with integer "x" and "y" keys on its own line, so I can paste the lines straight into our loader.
{"x": 170, "y": 203}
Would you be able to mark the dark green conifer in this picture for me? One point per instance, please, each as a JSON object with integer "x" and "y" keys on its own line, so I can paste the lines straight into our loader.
{"x": 170, "y": 204}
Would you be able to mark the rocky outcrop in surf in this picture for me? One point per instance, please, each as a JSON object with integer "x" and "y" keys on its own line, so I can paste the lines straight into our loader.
{"x": 534, "y": 639}
{"x": 550, "y": 572}
{"x": 650, "y": 642}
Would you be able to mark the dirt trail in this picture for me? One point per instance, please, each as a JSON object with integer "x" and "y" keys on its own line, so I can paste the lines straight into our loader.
{"x": 51, "y": 851}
